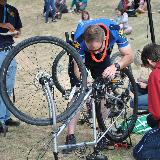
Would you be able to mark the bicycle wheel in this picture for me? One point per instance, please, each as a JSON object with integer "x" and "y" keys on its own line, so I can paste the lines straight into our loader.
{"x": 56, "y": 69}
{"x": 35, "y": 58}
{"x": 56, "y": 72}
{"x": 113, "y": 111}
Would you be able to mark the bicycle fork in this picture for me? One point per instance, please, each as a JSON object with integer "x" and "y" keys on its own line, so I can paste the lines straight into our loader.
{"x": 47, "y": 84}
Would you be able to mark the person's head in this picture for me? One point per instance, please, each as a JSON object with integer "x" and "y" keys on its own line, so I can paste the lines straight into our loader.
{"x": 85, "y": 15}
{"x": 150, "y": 55}
{"x": 119, "y": 12}
{"x": 94, "y": 37}
{"x": 3, "y": 2}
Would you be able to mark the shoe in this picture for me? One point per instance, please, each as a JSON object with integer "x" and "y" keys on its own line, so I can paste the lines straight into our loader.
{"x": 11, "y": 122}
{"x": 71, "y": 10}
{"x": 3, "y": 129}
{"x": 70, "y": 139}
{"x": 46, "y": 21}
{"x": 54, "y": 20}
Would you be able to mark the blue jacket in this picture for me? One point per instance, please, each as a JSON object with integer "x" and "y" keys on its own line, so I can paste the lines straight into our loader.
{"x": 117, "y": 35}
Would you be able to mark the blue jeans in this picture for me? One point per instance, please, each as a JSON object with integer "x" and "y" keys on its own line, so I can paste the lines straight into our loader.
{"x": 142, "y": 102}
{"x": 48, "y": 4}
{"x": 142, "y": 99}
{"x": 10, "y": 79}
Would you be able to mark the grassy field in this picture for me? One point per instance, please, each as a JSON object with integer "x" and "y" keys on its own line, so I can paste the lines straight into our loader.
{"x": 19, "y": 140}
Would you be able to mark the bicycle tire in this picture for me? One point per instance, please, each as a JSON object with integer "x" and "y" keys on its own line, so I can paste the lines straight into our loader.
{"x": 61, "y": 54}
{"x": 100, "y": 120}
{"x": 3, "y": 90}
{"x": 54, "y": 72}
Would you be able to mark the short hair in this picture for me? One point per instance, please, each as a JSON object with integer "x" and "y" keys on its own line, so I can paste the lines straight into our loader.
{"x": 94, "y": 32}
{"x": 152, "y": 52}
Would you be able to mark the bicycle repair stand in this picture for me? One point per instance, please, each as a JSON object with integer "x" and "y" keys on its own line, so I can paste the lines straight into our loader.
{"x": 48, "y": 86}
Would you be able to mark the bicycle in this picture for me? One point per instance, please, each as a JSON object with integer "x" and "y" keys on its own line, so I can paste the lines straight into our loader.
{"x": 36, "y": 76}
{"x": 85, "y": 113}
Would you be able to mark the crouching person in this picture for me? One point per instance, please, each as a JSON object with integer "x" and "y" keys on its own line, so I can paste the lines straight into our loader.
{"x": 149, "y": 146}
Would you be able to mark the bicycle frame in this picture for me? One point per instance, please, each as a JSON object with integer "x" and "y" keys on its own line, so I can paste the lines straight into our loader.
{"x": 58, "y": 130}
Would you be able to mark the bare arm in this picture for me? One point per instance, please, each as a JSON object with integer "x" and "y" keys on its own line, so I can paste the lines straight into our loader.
{"x": 126, "y": 60}
{"x": 128, "y": 56}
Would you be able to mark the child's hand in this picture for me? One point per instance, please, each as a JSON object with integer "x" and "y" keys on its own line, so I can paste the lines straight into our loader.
{"x": 142, "y": 85}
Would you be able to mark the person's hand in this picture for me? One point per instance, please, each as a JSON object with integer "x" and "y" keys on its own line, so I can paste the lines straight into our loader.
{"x": 8, "y": 26}
{"x": 142, "y": 85}
{"x": 17, "y": 34}
{"x": 109, "y": 72}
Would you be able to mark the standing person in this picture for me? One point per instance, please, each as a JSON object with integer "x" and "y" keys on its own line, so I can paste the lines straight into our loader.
{"x": 9, "y": 21}
{"x": 122, "y": 19}
{"x": 97, "y": 38}
{"x": 151, "y": 59}
{"x": 50, "y": 5}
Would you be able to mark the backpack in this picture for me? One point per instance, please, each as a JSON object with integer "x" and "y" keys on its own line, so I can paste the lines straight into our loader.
{"x": 148, "y": 147}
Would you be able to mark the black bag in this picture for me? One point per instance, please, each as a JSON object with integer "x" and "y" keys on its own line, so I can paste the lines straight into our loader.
{"x": 148, "y": 147}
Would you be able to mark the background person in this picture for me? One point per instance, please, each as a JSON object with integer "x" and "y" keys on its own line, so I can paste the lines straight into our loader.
{"x": 80, "y": 5}
{"x": 49, "y": 6}
{"x": 9, "y": 21}
{"x": 85, "y": 15}
{"x": 61, "y": 6}
{"x": 122, "y": 19}
{"x": 142, "y": 6}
